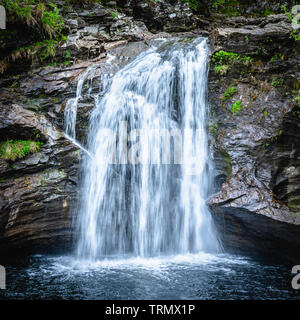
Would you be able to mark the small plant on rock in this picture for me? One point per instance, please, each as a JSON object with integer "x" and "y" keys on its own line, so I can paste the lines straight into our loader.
{"x": 224, "y": 59}
{"x": 277, "y": 82}
{"x": 229, "y": 93}
{"x": 236, "y": 107}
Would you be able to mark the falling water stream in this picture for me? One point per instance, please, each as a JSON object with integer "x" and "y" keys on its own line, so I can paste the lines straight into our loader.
{"x": 72, "y": 104}
{"x": 146, "y": 182}
{"x": 144, "y": 230}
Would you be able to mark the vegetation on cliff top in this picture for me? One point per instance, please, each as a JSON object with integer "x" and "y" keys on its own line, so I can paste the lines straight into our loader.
{"x": 44, "y": 24}
{"x": 17, "y": 149}
{"x": 33, "y": 13}
{"x": 233, "y": 8}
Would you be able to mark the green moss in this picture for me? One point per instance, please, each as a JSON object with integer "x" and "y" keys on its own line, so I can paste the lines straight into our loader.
{"x": 52, "y": 22}
{"x": 194, "y": 5}
{"x": 295, "y": 35}
{"x": 46, "y": 50}
{"x": 297, "y": 100}
{"x": 213, "y": 129}
{"x": 18, "y": 149}
{"x": 84, "y": 2}
{"x": 114, "y": 14}
{"x": 227, "y": 162}
{"x": 279, "y": 56}
{"x": 259, "y": 51}
{"x": 224, "y": 59}
{"x": 294, "y": 203}
{"x": 222, "y": 69}
{"x": 20, "y": 10}
{"x": 68, "y": 54}
{"x": 228, "y": 7}
{"x": 236, "y": 107}
{"x": 229, "y": 93}
{"x": 277, "y": 82}
{"x": 268, "y": 12}
{"x": 52, "y": 176}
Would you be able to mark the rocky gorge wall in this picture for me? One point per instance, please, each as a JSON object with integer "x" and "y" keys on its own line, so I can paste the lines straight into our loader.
{"x": 254, "y": 121}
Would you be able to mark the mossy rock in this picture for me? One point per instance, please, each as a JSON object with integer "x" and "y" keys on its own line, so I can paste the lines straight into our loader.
{"x": 13, "y": 150}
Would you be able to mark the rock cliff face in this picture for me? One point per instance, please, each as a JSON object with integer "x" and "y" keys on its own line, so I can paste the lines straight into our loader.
{"x": 259, "y": 144}
{"x": 254, "y": 127}
{"x": 252, "y": 137}
{"x": 37, "y": 192}
{"x": 175, "y": 16}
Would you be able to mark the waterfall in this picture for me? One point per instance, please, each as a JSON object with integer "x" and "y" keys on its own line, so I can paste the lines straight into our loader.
{"x": 70, "y": 113}
{"x": 146, "y": 181}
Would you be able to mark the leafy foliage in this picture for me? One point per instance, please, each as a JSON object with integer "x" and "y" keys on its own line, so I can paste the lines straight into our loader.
{"x": 45, "y": 23}
{"x": 35, "y": 13}
{"x": 225, "y": 57}
{"x": 53, "y": 23}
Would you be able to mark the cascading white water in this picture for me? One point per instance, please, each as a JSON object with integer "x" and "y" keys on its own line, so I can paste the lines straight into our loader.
{"x": 71, "y": 106}
{"x": 146, "y": 181}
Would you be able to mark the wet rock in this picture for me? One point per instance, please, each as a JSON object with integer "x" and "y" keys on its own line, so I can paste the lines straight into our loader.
{"x": 102, "y": 25}
{"x": 243, "y": 190}
{"x": 164, "y": 16}
{"x": 283, "y": 159}
{"x": 256, "y": 150}
{"x": 38, "y": 191}
{"x": 256, "y": 163}
{"x": 256, "y": 201}
{"x": 260, "y": 237}
{"x": 265, "y": 38}
{"x": 56, "y": 80}
{"x": 83, "y": 46}
{"x": 47, "y": 90}
{"x": 127, "y": 28}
